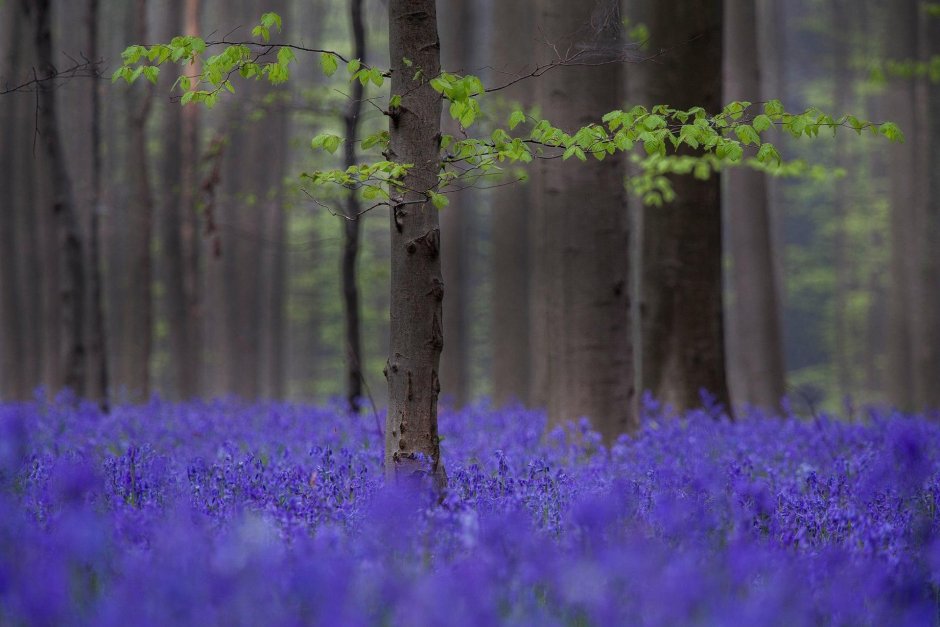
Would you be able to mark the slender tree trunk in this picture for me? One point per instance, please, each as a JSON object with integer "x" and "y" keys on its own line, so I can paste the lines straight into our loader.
{"x": 755, "y": 309}
{"x": 97, "y": 352}
{"x": 900, "y": 101}
{"x": 12, "y": 340}
{"x": 927, "y": 345}
{"x": 683, "y": 328}
{"x": 72, "y": 277}
{"x": 581, "y": 292}
{"x": 459, "y": 32}
{"x": 417, "y": 289}
{"x": 274, "y": 263}
{"x": 513, "y": 29}
{"x": 137, "y": 299}
{"x": 178, "y": 222}
{"x": 842, "y": 360}
{"x": 352, "y": 225}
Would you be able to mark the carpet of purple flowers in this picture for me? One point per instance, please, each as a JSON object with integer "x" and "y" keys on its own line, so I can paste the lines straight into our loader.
{"x": 224, "y": 513}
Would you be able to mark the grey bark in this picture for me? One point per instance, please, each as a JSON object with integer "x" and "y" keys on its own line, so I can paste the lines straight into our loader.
{"x": 352, "y": 224}
{"x": 581, "y": 295}
{"x": 683, "y": 327}
{"x": 70, "y": 304}
{"x": 12, "y": 341}
{"x": 417, "y": 289}
{"x": 754, "y": 309}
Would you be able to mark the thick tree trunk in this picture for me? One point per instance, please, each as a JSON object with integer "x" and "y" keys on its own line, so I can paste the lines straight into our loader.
{"x": 71, "y": 302}
{"x": 352, "y": 225}
{"x": 900, "y": 102}
{"x": 513, "y": 39}
{"x": 754, "y": 308}
{"x": 683, "y": 334}
{"x": 458, "y": 20}
{"x": 581, "y": 292}
{"x": 417, "y": 289}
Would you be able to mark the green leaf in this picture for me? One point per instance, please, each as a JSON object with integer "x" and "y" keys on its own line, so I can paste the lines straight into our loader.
{"x": 892, "y": 132}
{"x": 516, "y": 118}
{"x": 762, "y": 122}
{"x": 439, "y": 200}
{"x": 353, "y": 66}
{"x": 328, "y": 63}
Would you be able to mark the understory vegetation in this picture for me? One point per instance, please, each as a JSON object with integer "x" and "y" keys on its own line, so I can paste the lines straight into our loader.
{"x": 227, "y": 513}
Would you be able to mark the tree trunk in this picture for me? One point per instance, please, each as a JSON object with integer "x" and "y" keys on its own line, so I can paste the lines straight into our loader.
{"x": 417, "y": 289}
{"x": 754, "y": 309}
{"x": 458, "y": 19}
{"x": 272, "y": 313}
{"x": 352, "y": 225}
{"x": 927, "y": 344}
{"x": 843, "y": 97}
{"x": 97, "y": 352}
{"x": 178, "y": 226}
{"x": 683, "y": 332}
{"x": 71, "y": 302}
{"x": 581, "y": 290}
{"x": 513, "y": 40}
{"x": 12, "y": 341}
{"x": 137, "y": 299}
{"x": 900, "y": 103}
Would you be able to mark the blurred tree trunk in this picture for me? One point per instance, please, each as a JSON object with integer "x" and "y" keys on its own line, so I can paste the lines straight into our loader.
{"x": 927, "y": 334}
{"x": 581, "y": 278}
{"x": 513, "y": 39}
{"x": 842, "y": 24}
{"x": 178, "y": 220}
{"x": 352, "y": 224}
{"x": 97, "y": 386}
{"x": 13, "y": 382}
{"x": 683, "y": 334}
{"x": 417, "y": 288}
{"x": 459, "y": 25}
{"x": 71, "y": 297}
{"x": 274, "y": 143}
{"x": 900, "y": 101}
{"x": 754, "y": 308}
{"x": 133, "y": 373}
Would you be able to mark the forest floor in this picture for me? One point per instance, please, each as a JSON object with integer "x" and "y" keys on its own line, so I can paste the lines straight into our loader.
{"x": 228, "y": 513}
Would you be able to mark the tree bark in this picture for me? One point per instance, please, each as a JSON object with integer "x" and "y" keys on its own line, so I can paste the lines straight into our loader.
{"x": 417, "y": 289}
{"x": 513, "y": 40}
{"x": 352, "y": 225}
{"x": 71, "y": 301}
{"x": 581, "y": 287}
{"x": 754, "y": 309}
{"x": 683, "y": 328}
{"x": 12, "y": 340}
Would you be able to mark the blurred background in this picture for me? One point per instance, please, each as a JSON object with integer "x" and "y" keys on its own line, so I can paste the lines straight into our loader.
{"x": 218, "y": 274}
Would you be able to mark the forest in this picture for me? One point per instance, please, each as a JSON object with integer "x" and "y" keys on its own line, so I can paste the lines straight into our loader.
{"x": 471, "y": 312}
